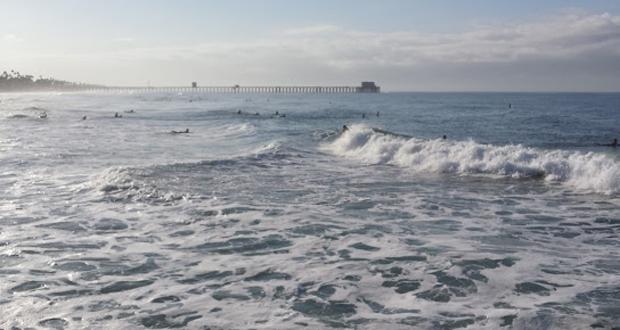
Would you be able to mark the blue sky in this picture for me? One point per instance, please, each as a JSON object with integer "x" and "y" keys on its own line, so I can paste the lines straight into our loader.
{"x": 406, "y": 45}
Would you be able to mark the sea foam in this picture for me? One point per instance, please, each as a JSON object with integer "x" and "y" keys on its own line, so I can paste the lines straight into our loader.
{"x": 586, "y": 171}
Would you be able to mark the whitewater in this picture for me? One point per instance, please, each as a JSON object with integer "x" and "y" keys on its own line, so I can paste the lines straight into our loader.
{"x": 258, "y": 220}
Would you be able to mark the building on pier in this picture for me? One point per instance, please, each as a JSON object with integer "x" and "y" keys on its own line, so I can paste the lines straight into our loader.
{"x": 368, "y": 87}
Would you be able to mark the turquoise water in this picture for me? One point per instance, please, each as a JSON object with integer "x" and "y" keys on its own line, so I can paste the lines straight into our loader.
{"x": 254, "y": 220}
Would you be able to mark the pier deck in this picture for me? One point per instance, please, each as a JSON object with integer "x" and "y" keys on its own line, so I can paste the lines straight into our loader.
{"x": 364, "y": 88}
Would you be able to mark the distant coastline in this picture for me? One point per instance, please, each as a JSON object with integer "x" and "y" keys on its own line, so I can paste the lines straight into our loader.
{"x": 13, "y": 81}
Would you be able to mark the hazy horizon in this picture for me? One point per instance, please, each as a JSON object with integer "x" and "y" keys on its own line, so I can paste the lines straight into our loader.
{"x": 558, "y": 46}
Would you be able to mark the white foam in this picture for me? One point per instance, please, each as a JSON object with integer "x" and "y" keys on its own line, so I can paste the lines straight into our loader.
{"x": 243, "y": 128}
{"x": 587, "y": 171}
{"x": 270, "y": 148}
{"x": 116, "y": 178}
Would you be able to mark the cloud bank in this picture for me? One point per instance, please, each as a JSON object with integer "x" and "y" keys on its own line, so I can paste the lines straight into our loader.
{"x": 571, "y": 51}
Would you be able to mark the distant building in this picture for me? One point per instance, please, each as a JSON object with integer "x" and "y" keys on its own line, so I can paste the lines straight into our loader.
{"x": 368, "y": 87}
{"x": 194, "y": 84}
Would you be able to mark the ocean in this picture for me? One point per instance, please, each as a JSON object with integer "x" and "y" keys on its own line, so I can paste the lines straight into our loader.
{"x": 254, "y": 220}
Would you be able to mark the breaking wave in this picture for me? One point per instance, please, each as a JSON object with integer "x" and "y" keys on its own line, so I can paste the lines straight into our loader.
{"x": 173, "y": 182}
{"x": 588, "y": 171}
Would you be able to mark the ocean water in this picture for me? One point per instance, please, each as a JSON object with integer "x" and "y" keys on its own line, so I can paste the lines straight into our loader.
{"x": 257, "y": 221}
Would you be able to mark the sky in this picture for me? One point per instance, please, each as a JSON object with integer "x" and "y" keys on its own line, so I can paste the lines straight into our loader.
{"x": 403, "y": 45}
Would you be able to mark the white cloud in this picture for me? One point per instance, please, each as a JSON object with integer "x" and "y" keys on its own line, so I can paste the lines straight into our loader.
{"x": 572, "y": 50}
{"x": 561, "y": 37}
{"x": 10, "y": 37}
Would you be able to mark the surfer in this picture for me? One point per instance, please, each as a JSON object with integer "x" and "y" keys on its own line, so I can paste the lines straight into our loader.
{"x": 377, "y": 113}
{"x": 180, "y": 132}
{"x": 239, "y": 112}
{"x": 84, "y": 118}
{"x": 445, "y": 137}
{"x": 116, "y": 115}
{"x": 43, "y": 115}
{"x": 344, "y": 128}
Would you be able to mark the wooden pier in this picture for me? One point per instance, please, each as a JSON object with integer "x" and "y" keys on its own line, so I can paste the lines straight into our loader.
{"x": 366, "y": 87}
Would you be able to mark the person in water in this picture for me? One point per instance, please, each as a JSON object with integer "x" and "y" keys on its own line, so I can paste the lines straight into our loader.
{"x": 445, "y": 137}
{"x": 181, "y": 132}
{"x": 614, "y": 143}
{"x": 345, "y": 128}
{"x": 116, "y": 115}
{"x": 84, "y": 118}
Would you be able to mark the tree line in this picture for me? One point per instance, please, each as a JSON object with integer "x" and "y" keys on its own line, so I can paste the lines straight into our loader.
{"x": 13, "y": 81}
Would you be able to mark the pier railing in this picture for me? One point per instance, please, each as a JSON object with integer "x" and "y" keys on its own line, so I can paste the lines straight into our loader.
{"x": 239, "y": 89}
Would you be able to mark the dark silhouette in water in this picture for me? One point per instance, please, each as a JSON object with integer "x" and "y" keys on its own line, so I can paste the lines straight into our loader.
{"x": 84, "y": 118}
{"x": 363, "y": 115}
{"x": 239, "y": 112}
{"x": 509, "y": 105}
{"x": 180, "y": 132}
{"x": 116, "y": 115}
{"x": 445, "y": 137}
{"x": 377, "y": 113}
{"x": 345, "y": 128}
{"x": 613, "y": 144}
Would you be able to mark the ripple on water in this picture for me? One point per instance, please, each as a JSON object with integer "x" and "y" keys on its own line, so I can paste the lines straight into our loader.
{"x": 54, "y": 323}
{"x": 125, "y": 285}
{"x": 31, "y": 286}
{"x": 325, "y": 310}
{"x": 268, "y": 275}
{"x": 64, "y": 225}
{"x": 246, "y": 245}
{"x": 365, "y": 247}
{"x": 163, "y": 321}
{"x": 75, "y": 266}
{"x": 107, "y": 224}
{"x": 208, "y": 276}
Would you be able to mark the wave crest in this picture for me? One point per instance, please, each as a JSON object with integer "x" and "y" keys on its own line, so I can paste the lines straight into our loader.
{"x": 585, "y": 171}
